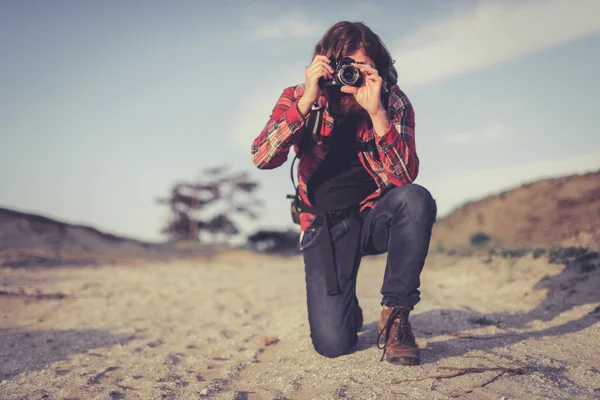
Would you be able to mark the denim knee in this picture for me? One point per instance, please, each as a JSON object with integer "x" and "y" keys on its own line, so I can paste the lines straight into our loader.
{"x": 335, "y": 346}
{"x": 416, "y": 197}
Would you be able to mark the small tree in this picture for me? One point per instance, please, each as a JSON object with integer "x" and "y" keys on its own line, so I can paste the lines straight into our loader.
{"x": 229, "y": 195}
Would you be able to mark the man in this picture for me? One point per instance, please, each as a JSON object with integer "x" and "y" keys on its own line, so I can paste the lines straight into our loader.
{"x": 355, "y": 190}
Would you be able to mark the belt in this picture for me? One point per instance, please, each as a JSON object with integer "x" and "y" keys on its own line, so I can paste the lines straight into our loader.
{"x": 330, "y": 218}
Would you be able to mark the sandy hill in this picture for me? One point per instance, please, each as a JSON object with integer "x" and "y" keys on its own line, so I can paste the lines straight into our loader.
{"x": 30, "y": 239}
{"x": 562, "y": 211}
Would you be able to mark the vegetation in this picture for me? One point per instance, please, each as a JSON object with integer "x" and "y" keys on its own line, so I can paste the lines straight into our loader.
{"x": 209, "y": 209}
{"x": 212, "y": 209}
{"x": 480, "y": 239}
{"x": 563, "y": 211}
{"x": 284, "y": 242}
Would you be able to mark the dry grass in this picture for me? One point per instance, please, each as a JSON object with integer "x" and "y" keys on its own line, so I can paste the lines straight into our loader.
{"x": 563, "y": 211}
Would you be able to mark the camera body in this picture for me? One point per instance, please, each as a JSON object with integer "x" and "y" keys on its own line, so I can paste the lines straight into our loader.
{"x": 344, "y": 74}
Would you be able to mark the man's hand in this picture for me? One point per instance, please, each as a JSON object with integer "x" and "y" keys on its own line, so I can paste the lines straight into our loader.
{"x": 319, "y": 68}
{"x": 368, "y": 96}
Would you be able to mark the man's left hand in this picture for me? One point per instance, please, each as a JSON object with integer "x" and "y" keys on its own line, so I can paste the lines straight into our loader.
{"x": 368, "y": 95}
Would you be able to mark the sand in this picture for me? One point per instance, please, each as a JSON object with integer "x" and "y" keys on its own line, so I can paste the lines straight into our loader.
{"x": 236, "y": 328}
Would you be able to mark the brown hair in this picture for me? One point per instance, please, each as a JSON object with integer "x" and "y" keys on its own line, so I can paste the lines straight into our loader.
{"x": 347, "y": 37}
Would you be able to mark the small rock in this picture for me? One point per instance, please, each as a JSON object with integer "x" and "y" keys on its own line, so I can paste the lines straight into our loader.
{"x": 267, "y": 341}
{"x": 155, "y": 343}
{"x": 172, "y": 359}
{"x": 227, "y": 334}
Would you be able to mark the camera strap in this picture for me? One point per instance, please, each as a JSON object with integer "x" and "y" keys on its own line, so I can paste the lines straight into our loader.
{"x": 310, "y": 135}
{"x": 311, "y": 130}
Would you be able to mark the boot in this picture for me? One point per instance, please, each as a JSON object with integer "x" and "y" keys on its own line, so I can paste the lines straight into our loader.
{"x": 399, "y": 345}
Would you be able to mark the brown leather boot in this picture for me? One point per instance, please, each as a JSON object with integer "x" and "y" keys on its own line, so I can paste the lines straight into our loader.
{"x": 399, "y": 345}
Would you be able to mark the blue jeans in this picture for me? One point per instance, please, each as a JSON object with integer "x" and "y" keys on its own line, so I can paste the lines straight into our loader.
{"x": 399, "y": 224}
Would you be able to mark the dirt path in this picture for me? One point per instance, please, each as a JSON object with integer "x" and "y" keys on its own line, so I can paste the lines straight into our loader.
{"x": 193, "y": 330}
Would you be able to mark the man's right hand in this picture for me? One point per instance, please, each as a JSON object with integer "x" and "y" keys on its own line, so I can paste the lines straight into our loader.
{"x": 319, "y": 68}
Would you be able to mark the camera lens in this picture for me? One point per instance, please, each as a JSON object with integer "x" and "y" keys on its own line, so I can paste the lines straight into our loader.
{"x": 349, "y": 75}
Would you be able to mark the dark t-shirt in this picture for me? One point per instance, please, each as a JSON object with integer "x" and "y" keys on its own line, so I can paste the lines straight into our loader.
{"x": 341, "y": 180}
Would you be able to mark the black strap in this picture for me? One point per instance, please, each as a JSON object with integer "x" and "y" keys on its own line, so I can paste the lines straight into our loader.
{"x": 311, "y": 131}
{"x": 310, "y": 135}
{"x": 348, "y": 257}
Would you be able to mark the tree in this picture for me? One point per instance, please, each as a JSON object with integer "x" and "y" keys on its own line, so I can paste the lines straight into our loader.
{"x": 211, "y": 205}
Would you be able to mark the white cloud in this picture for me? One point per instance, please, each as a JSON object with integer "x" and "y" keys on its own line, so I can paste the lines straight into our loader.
{"x": 491, "y": 33}
{"x": 296, "y": 25}
{"x": 255, "y": 108}
{"x": 454, "y": 190}
{"x": 494, "y": 134}
{"x": 458, "y": 138}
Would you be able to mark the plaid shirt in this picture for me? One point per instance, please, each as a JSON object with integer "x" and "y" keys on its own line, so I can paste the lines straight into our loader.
{"x": 392, "y": 160}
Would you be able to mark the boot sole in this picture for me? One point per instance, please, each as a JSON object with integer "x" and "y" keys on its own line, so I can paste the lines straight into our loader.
{"x": 403, "y": 360}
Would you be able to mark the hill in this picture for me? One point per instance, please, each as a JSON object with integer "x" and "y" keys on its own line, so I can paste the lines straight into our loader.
{"x": 30, "y": 239}
{"x": 562, "y": 211}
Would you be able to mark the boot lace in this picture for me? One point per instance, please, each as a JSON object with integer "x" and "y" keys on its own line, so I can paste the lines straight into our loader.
{"x": 399, "y": 317}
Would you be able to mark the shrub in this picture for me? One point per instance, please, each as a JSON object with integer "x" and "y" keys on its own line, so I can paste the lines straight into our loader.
{"x": 564, "y": 255}
{"x": 480, "y": 238}
{"x": 515, "y": 253}
{"x": 540, "y": 251}
{"x": 440, "y": 247}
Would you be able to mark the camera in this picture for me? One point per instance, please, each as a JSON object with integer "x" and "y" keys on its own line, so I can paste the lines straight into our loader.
{"x": 344, "y": 74}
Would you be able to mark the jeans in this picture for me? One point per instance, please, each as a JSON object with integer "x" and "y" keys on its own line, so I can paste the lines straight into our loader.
{"x": 399, "y": 224}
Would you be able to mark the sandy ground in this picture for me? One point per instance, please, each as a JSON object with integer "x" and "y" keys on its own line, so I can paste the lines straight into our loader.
{"x": 193, "y": 330}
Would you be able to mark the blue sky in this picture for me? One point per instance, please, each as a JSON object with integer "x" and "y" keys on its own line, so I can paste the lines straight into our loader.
{"x": 105, "y": 104}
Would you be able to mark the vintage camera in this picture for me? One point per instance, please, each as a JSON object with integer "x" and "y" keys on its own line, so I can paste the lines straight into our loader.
{"x": 344, "y": 74}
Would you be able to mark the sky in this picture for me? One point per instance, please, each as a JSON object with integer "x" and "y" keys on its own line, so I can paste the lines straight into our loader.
{"x": 104, "y": 105}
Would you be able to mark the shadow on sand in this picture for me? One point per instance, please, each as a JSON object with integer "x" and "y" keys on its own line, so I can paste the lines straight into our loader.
{"x": 22, "y": 351}
{"x": 576, "y": 285}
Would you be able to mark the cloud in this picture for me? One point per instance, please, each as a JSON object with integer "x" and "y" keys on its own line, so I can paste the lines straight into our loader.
{"x": 289, "y": 26}
{"x": 458, "y": 138}
{"x": 253, "y": 111}
{"x": 451, "y": 191}
{"x": 491, "y": 135}
{"x": 491, "y": 33}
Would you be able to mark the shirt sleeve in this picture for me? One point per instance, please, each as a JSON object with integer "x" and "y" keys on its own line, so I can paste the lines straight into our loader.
{"x": 396, "y": 147}
{"x": 270, "y": 149}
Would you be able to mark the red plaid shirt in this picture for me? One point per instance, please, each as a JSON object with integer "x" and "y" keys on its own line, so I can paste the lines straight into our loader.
{"x": 393, "y": 162}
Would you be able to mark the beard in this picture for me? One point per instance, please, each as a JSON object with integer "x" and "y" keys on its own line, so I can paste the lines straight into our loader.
{"x": 343, "y": 104}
